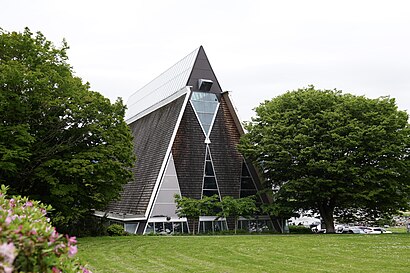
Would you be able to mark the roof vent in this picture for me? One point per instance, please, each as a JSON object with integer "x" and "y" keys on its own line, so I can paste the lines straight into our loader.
{"x": 204, "y": 85}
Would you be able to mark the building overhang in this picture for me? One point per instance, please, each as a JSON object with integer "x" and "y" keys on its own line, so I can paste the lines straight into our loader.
{"x": 125, "y": 217}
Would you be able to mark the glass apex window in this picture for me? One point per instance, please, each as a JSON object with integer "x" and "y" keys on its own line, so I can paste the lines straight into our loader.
{"x": 205, "y": 105}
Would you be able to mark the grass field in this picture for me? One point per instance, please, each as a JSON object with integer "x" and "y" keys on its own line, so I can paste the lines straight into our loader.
{"x": 248, "y": 253}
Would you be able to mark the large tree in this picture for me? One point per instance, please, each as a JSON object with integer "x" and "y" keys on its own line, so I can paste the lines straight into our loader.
{"x": 60, "y": 142}
{"x": 328, "y": 151}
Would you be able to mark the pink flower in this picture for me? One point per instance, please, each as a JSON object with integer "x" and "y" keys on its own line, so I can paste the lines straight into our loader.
{"x": 56, "y": 270}
{"x": 7, "y": 269}
{"x": 8, "y": 252}
{"x": 28, "y": 204}
{"x": 8, "y": 220}
{"x": 71, "y": 240}
{"x": 54, "y": 236}
{"x": 20, "y": 228}
{"x": 58, "y": 247}
{"x": 33, "y": 231}
{"x": 72, "y": 250}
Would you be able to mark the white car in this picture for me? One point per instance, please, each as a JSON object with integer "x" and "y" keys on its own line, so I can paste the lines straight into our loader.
{"x": 349, "y": 230}
{"x": 376, "y": 230}
{"x": 355, "y": 230}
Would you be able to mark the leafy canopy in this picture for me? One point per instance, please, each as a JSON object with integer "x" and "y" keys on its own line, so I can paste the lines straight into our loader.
{"x": 327, "y": 151}
{"x": 60, "y": 142}
{"x": 228, "y": 207}
{"x": 236, "y": 207}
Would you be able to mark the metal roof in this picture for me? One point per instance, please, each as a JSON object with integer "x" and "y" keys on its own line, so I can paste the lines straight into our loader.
{"x": 162, "y": 87}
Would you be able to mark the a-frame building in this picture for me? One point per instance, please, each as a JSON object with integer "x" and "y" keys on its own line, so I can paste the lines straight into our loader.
{"x": 185, "y": 132}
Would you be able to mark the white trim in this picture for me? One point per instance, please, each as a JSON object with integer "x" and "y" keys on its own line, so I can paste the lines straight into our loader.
{"x": 161, "y": 184}
{"x": 124, "y": 218}
{"x": 197, "y": 117}
{"x": 158, "y": 105}
{"x": 235, "y": 115}
{"x": 260, "y": 217}
{"x": 162, "y": 173}
{"x": 164, "y": 219}
{"x": 163, "y": 86}
{"x": 203, "y": 178}
{"x": 211, "y": 218}
{"x": 167, "y": 154}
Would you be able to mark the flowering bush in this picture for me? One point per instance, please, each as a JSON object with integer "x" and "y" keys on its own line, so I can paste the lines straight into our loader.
{"x": 29, "y": 243}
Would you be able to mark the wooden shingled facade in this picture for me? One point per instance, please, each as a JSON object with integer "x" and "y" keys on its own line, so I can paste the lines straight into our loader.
{"x": 152, "y": 134}
{"x": 171, "y": 142}
{"x": 189, "y": 155}
{"x": 226, "y": 158}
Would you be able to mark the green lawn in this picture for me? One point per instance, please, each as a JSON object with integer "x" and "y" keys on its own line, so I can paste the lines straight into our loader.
{"x": 244, "y": 253}
{"x": 397, "y": 229}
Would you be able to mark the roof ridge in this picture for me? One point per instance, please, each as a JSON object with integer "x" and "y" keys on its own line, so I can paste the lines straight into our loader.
{"x": 164, "y": 85}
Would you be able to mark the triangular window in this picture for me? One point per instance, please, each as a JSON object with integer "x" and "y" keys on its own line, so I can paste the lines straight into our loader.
{"x": 210, "y": 185}
{"x": 247, "y": 185}
{"x": 205, "y": 105}
{"x": 164, "y": 204}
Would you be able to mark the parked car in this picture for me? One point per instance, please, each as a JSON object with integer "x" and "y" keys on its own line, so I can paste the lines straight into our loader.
{"x": 348, "y": 230}
{"x": 341, "y": 229}
{"x": 376, "y": 230}
{"x": 355, "y": 230}
{"x": 362, "y": 228}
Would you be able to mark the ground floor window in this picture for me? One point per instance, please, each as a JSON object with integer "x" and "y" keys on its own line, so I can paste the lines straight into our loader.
{"x": 255, "y": 225}
{"x": 168, "y": 227}
{"x": 211, "y": 224}
{"x": 131, "y": 227}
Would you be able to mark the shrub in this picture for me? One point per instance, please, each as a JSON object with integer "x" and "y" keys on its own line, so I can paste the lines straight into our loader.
{"x": 87, "y": 226}
{"x": 29, "y": 243}
{"x": 299, "y": 229}
{"x": 116, "y": 230}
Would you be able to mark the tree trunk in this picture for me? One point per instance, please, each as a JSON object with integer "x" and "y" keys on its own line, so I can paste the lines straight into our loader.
{"x": 192, "y": 220}
{"x": 236, "y": 223}
{"x": 326, "y": 212}
{"x": 276, "y": 224}
{"x": 280, "y": 224}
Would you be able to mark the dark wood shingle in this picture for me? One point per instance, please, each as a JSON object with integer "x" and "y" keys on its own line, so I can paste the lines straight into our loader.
{"x": 152, "y": 134}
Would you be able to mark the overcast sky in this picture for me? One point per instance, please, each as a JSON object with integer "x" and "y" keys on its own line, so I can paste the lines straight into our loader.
{"x": 258, "y": 49}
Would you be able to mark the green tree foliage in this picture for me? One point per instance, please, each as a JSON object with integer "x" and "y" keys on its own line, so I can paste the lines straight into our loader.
{"x": 59, "y": 142}
{"x": 280, "y": 211}
{"x": 328, "y": 151}
{"x": 235, "y": 207}
{"x": 228, "y": 207}
{"x": 193, "y": 208}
